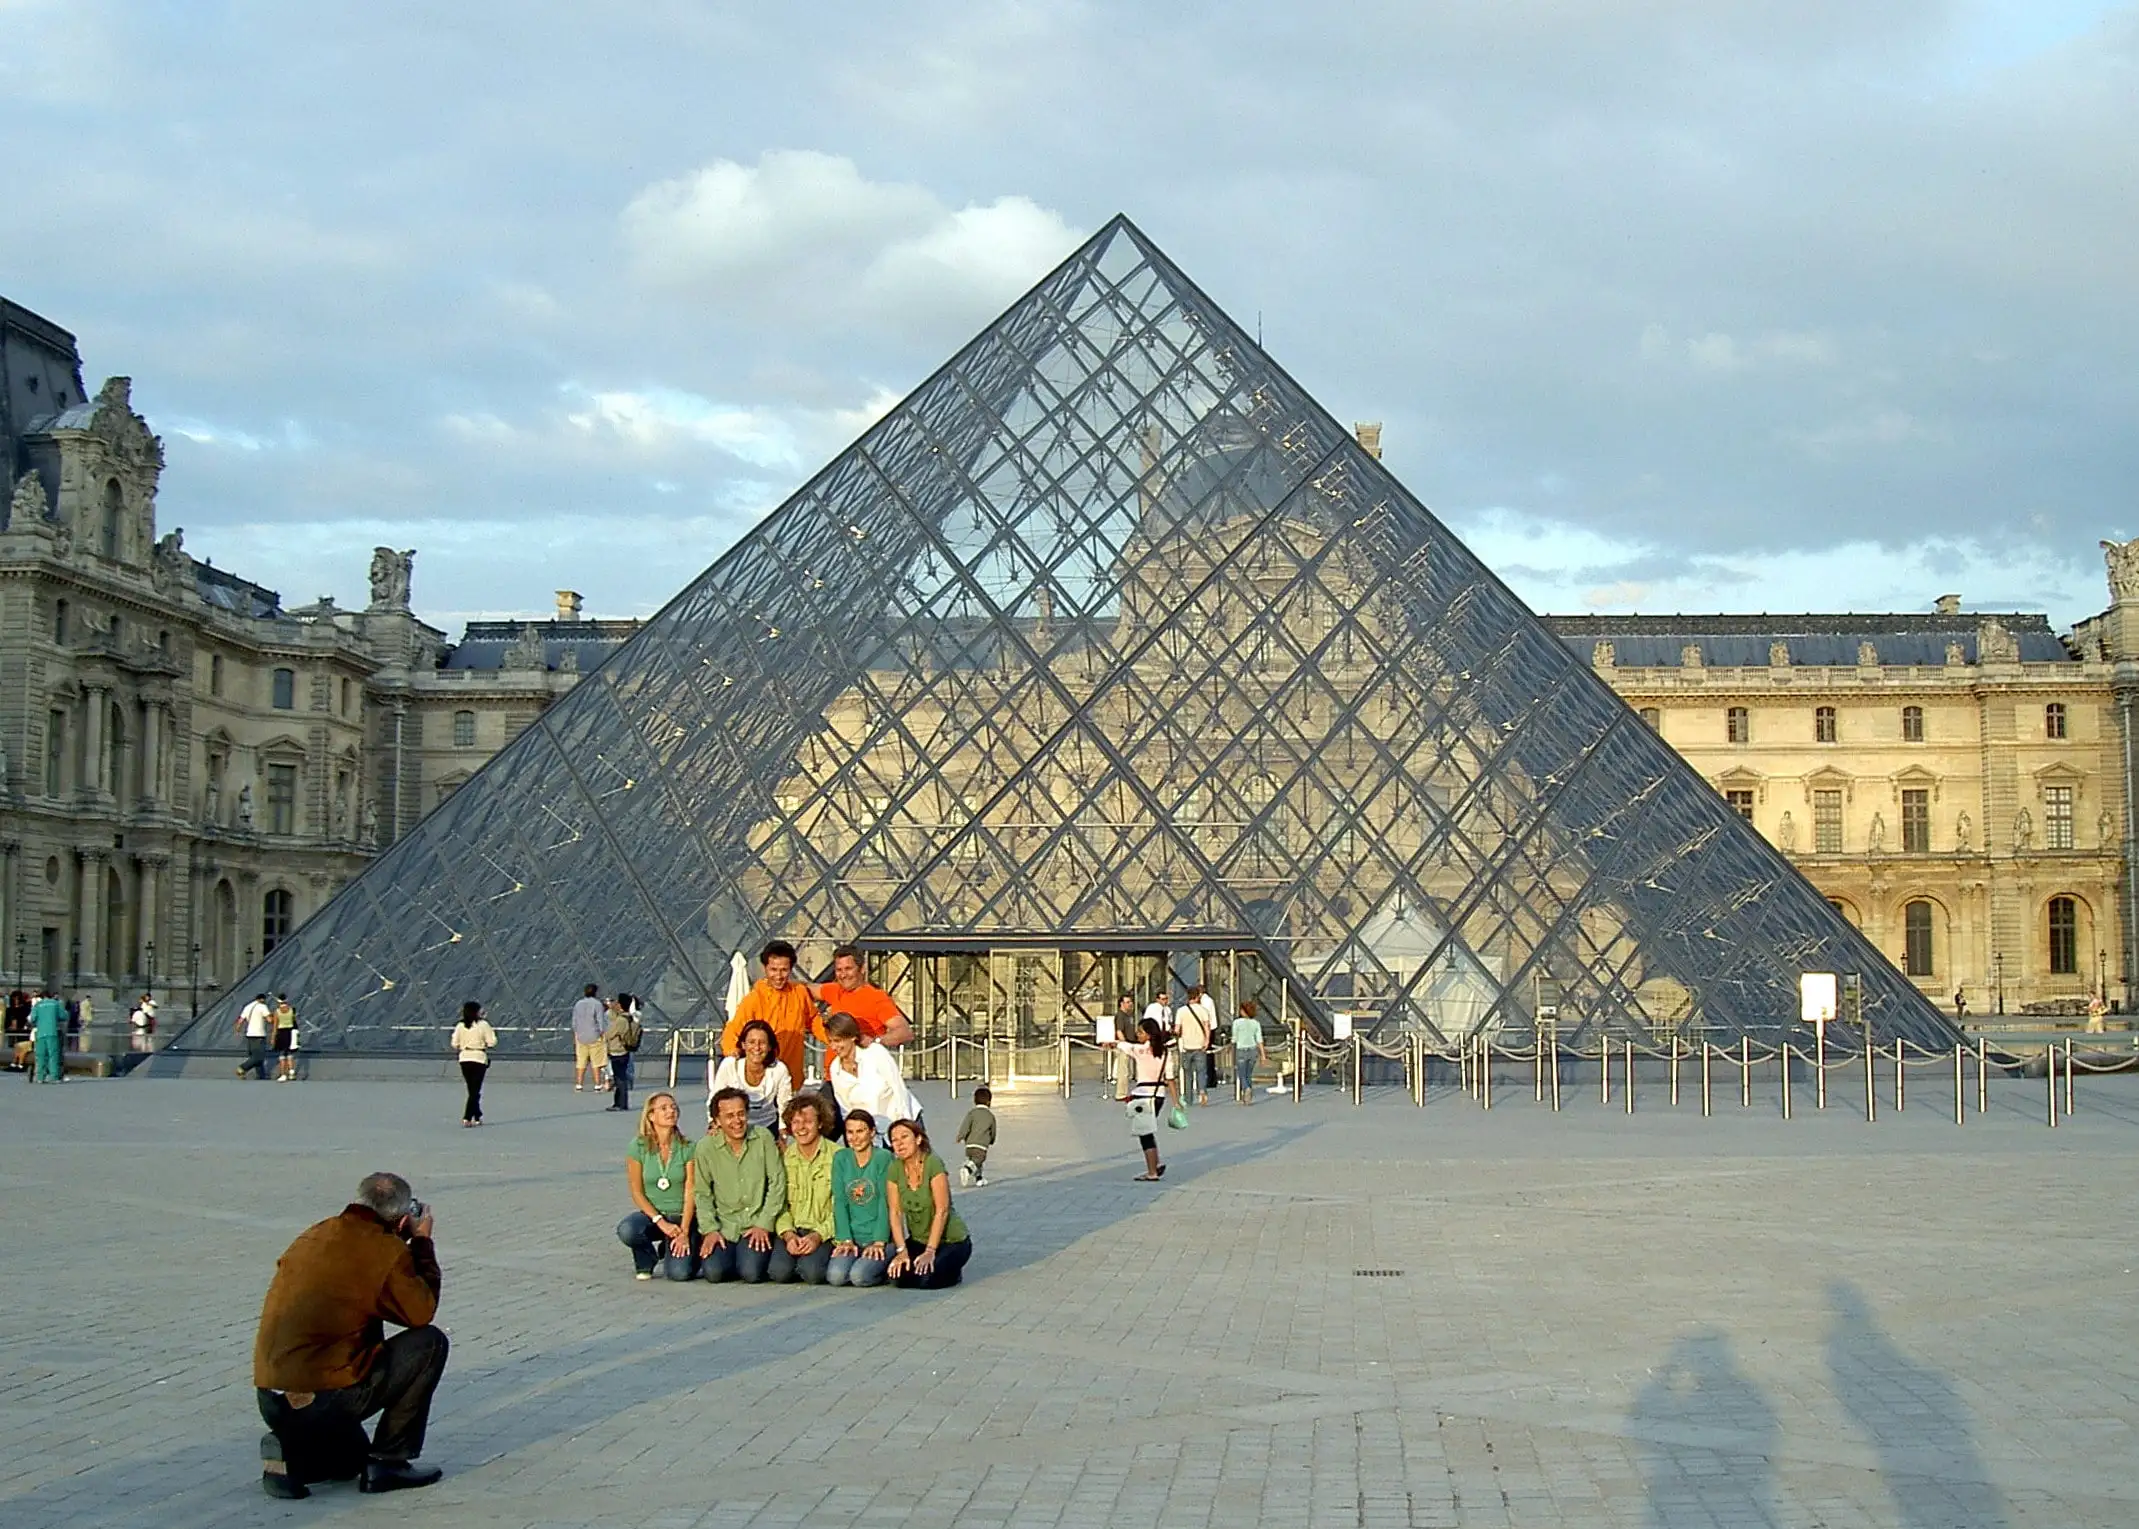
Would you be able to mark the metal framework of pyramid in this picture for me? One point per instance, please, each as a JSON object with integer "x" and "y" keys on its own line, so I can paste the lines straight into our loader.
{"x": 1108, "y": 635}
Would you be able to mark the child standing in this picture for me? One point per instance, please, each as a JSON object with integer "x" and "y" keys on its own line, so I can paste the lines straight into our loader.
{"x": 976, "y": 1133}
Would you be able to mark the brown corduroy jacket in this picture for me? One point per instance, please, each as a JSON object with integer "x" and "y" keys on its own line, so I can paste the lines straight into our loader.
{"x": 334, "y": 1290}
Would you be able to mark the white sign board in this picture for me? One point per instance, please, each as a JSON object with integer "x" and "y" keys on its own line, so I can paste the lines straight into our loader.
{"x": 1818, "y": 997}
{"x": 1106, "y": 1029}
{"x": 1340, "y": 1026}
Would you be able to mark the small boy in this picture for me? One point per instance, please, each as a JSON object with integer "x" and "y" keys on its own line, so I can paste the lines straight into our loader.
{"x": 976, "y": 1133}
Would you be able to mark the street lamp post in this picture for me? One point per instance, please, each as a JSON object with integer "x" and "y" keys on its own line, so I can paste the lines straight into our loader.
{"x": 196, "y": 979}
{"x": 21, "y": 968}
{"x": 74, "y": 959}
{"x": 1997, "y": 966}
{"x": 151, "y": 986}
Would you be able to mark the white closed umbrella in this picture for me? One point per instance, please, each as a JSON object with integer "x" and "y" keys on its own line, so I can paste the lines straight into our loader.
{"x": 738, "y": 982}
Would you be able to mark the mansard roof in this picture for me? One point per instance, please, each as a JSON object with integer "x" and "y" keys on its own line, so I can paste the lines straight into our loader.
{"x": 1908, "y": 638}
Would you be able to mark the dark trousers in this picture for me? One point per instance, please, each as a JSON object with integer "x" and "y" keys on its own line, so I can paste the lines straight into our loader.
{"x": 950, "y": 1264}
{"x": 784, "y": 1268}
{"x": 473, "y": 1072}
{"x": 650, "y": 1250}
{"x": 255, "y": 1057}
{"x": 738, "y": 1260}
{"x": 324, "y": 1441}
{"x": 620, "y": 1076}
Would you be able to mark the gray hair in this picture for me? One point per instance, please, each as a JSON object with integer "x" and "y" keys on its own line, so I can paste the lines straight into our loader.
{"x": 386, "y": 1195}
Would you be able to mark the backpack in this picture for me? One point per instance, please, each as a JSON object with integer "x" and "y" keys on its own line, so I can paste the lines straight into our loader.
{"x": 630, "y": 1031}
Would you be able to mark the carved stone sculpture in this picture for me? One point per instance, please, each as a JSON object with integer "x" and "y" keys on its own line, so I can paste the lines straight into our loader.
{"x": 1961, "y": 828}
{"x": 341, "y": 815}
{"x": 2024, "y": 831}
{"x": 1690, "y": 656}
{"x": 1875, "y": 838}
{"x": 2122, "y": 559}
{"x": 1603, "y": 656}
{"x": 528, "y": 650}
{"x": 1956, "y": 654}
{"x": 369, "y": 831}
{"x": 390, "y": 571}
{"x": 1779, "y": 654}
{"x": 26, "y": 511}
{"x": 2105, "y": 827}
{"x": 1786, "y": 833}
{"x": 1995, "y": 645}
{"x": 245, "y": 805}
{"x": 1867, "y": 655}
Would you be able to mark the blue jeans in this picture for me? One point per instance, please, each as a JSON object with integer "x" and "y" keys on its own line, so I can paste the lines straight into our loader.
{"x": 649, "y": 1247}
{"x": 784, "y": 1268}
{"x": 45, "y": 1057}
{"x": 737, "y": 1260}
{"x": 620, "y": 1075}
{"x": 950, "y": 1261}
{"x": 853, "y": 1269}
{"x": 1244, "y": 1075}
{"x": 1195, "y": 1088}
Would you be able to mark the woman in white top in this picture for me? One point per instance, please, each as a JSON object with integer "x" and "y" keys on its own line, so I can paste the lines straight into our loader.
{"x": 1148, "y": 1094}
{"x": 757, "y": 1070}
{"x": 865, "y": 1077}
{"x": 474, "y": 1040}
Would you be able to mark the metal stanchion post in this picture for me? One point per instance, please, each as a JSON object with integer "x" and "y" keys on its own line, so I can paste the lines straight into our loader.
{"x": 675, "y": 1046}
{"x": 1674, "y": 1069}
{"x": 1786, "y": 1080}
{"x": 1706, "y": 1106}
{"x": 1604, "y": 1069}
{"x": 1065, "y": 1066}
{"x": 1745, "y": 1073}
{"x": 1555, "y": 1069}
{"x": 1871, "y": 1080}
{"x": 2050, "y": 1072}
{"x": 1418, "y": 1070}
{"x": 1819, "y": 1064}
{"x": 1358, "y": 1067}
{"x": 1901, "y": 1069}
{"x": 1630, "y": 1077}
{"x": 1299, "y": 1062}
{"x": 950, "y": 1062}
{"x": 1485, "y": 1071}
{"x": 1960, "y": 1088}
{"x": 987, "y": 1058}
{"x": 1982, "y": 1076}
{"x": 2068, "y": 1075}
{"x": 1538, "y": 1045}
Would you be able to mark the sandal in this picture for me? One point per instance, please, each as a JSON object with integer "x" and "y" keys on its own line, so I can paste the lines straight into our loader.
{"x": 1145, "y": 1178}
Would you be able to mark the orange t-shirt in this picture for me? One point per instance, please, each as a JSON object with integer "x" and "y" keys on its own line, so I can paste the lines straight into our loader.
{"x": 872, "y": 1008}
{"x": 788, "y": 1011}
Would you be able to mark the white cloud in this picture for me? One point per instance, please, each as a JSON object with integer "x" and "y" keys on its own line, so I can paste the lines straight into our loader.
{"x": 660, "y": 419}
{"x": 1721, "y": 354}
{"x": 1877, "y": 428}
{"x": 803, "y": 235}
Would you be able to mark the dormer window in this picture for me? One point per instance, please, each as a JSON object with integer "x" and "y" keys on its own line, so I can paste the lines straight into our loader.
{"x": 285, "y": 692}
{"x": 114, "y": 512}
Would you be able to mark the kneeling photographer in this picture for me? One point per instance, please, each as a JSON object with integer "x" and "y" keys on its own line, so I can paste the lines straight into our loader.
{"x": 322, "y": 1363}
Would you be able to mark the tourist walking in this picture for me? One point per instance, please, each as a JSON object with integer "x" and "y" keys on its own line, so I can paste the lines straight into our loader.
{"x": 861, "y": 1214}
{"x": 48, "y": 1028}
{"x": 621, "y": 1039}
{"x": 1149, "y": 1091}
{"x": 590, "y": 1057}
{"x": 1247, "y": 1051}
{"x": 1193, "y": 1024}
{"x": 758, "y": 1072}
{"x": 473, "y": 1041}
{"x": 976, "y": 1133}
{"x": 285, "y": 1043}
{"x": 802, "y": 1238}
{"x": 85, "y": 1016}
{"x": 930, "y": 1240}
{"x": 143, "y": 1022}
{"x": 738, "y": 1193}
{"x": 256, "y": 1022}
{"x": 658, "y": 1172}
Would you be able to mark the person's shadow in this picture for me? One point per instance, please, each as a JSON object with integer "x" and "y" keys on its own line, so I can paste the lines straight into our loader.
{"x": 1707, "y": 1437}
{"x": 1915, "y": 1420}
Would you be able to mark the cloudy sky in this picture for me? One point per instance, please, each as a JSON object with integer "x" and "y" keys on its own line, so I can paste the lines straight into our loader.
{"x": 1666, "y": 305}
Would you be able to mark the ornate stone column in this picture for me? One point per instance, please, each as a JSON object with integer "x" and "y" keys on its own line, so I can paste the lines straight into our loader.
{"x": 96, "y": 704}
{"x": 151, "y": 920}
{"x": 151, "y": 750}
{"x": 90, "y": 918}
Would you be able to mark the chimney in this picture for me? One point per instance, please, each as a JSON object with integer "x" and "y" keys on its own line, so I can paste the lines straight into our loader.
{"x": 1369, "y": 438}
{"x": 1949, "y": 605}
{"x": 567, "y": 605}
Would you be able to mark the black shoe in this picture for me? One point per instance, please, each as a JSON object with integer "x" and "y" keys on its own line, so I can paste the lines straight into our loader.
{"x": 282, "y": 1484}
{"x": 396, "y": 1476}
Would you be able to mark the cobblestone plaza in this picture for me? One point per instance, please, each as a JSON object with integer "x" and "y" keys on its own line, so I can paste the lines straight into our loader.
{"x": 1595, "y": 1319}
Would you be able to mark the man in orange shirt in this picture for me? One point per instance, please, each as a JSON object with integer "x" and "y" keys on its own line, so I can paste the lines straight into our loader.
{"x": 782, "y": 1003}
{"x": 874, "y": 1010}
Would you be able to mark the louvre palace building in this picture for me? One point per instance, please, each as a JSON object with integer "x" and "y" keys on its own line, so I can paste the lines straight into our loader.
{"x": 1104, "y": 664}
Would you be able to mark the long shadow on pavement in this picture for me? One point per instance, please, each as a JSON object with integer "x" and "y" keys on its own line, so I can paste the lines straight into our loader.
{"x": 1707, "y": 1437}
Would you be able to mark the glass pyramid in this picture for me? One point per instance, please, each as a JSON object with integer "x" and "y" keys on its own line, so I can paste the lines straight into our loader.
{"x": 1108, "y": 638}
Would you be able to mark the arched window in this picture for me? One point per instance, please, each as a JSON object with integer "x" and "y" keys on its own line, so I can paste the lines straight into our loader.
{"x": 2064, "y": 936}
{"x": 278, "y": 911}
{"x": 2053, "y": 720}
{"x": 114, "y": 511}
{"x": 1823, "y": 724}
{"x": 464, "y": 729}
{"x": 1917, "y": 951}
{"x": 1912, "y": 724}
{"x": 285, "y": 696}
{"x": 1654, "y": 717}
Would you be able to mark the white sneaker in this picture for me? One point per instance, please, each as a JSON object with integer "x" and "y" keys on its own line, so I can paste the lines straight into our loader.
{"x": 579, "y": 1088}
{"x": 643, "y": 1274}
{"x": 965, "y": 1175}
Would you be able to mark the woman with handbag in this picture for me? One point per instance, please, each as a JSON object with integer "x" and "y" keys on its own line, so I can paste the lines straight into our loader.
{"x": 1151, "y": 1093}
{"x": 473, "y": 1041}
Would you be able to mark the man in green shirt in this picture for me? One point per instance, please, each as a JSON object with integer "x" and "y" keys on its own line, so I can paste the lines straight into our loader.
{"x": 738, "y": 1192}
{"x": 48, "y": 1022}
{"x": 1247, "y": 1051}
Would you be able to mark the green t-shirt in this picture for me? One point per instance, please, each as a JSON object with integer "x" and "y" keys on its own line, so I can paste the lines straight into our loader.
{"x": 918, "y": 1206}
{"x": 652, "y": 1170}
{"x": 860, "y": 1212}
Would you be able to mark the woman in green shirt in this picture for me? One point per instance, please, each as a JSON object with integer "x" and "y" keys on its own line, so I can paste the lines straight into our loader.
{"x": 802, "y": 1238}
{"x": 861, "y": 1213}
{"x": 658, "y": 1169}
{"x": 931, "y": 1239}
